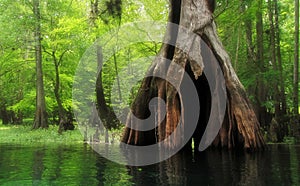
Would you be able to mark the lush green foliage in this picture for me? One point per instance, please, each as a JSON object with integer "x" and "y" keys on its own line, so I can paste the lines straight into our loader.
{"x": 67, "y": 32}
{"x": 269, "y": 81}
{"x": 70, "y": 27}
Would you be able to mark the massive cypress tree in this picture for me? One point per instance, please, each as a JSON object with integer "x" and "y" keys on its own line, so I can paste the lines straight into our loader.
{"x": 240, "y": 127}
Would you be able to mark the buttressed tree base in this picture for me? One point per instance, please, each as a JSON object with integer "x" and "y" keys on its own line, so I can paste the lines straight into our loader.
{"x": 240, "y": 127}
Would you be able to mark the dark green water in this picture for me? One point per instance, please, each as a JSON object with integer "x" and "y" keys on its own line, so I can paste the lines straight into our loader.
{"x": 80, "y": 165}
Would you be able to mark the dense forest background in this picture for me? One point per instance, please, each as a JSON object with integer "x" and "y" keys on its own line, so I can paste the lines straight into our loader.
{"x": 45, "y": 40}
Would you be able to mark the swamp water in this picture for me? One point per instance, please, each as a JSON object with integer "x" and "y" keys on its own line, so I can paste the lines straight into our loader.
{"x": 80, "y": 165}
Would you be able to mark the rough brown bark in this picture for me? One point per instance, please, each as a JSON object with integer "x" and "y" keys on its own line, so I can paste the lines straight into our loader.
{"x": 243, "y": 126}
{"x": 40, "y": 120}
{"x": 240, "y": 127}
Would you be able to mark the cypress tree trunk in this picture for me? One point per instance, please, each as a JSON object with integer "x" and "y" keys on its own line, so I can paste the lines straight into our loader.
{"x": 40, "y": 120}
{"x": 295, "y": 123}
{"x": 4, "y": 115}
{"x": 261, "y": 110}
{"x": 108, "y": 117}
{"x": 240, "y": 127}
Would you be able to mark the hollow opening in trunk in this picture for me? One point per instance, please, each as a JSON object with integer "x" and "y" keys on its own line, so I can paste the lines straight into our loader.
{"x": 204, "y": 94}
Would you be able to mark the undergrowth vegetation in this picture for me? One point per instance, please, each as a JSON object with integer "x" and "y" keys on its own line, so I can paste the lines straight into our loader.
{"x": 23, "y": 134}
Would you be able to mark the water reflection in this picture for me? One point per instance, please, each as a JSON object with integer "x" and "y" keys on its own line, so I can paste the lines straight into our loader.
{"x": 38, "y": 166}
{"x": 80, "y": 165}
{"x": 278, "y": 165}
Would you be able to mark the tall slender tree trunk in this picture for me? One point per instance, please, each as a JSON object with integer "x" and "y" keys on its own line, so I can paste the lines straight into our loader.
{"x": 240, "y": 127}
{"x": 249, "y": 36}
{"x": 64, "y": 122}
{"x": 105, "y": 111}
{"x": 273, "y": 59}
{"x": 261, "y": 90}
{"x": 108, "y": 117}
{"x": 40, "y": 120}
{"x": 62, "y": 119}
{"x": 295, "y": 123}
{"x": 238, "y": 43}
{"x": 282, "y": 118}
{"x": 117, "y": 76}
{"x": 279, "y": 59}
{"x": 257, "y": 59}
